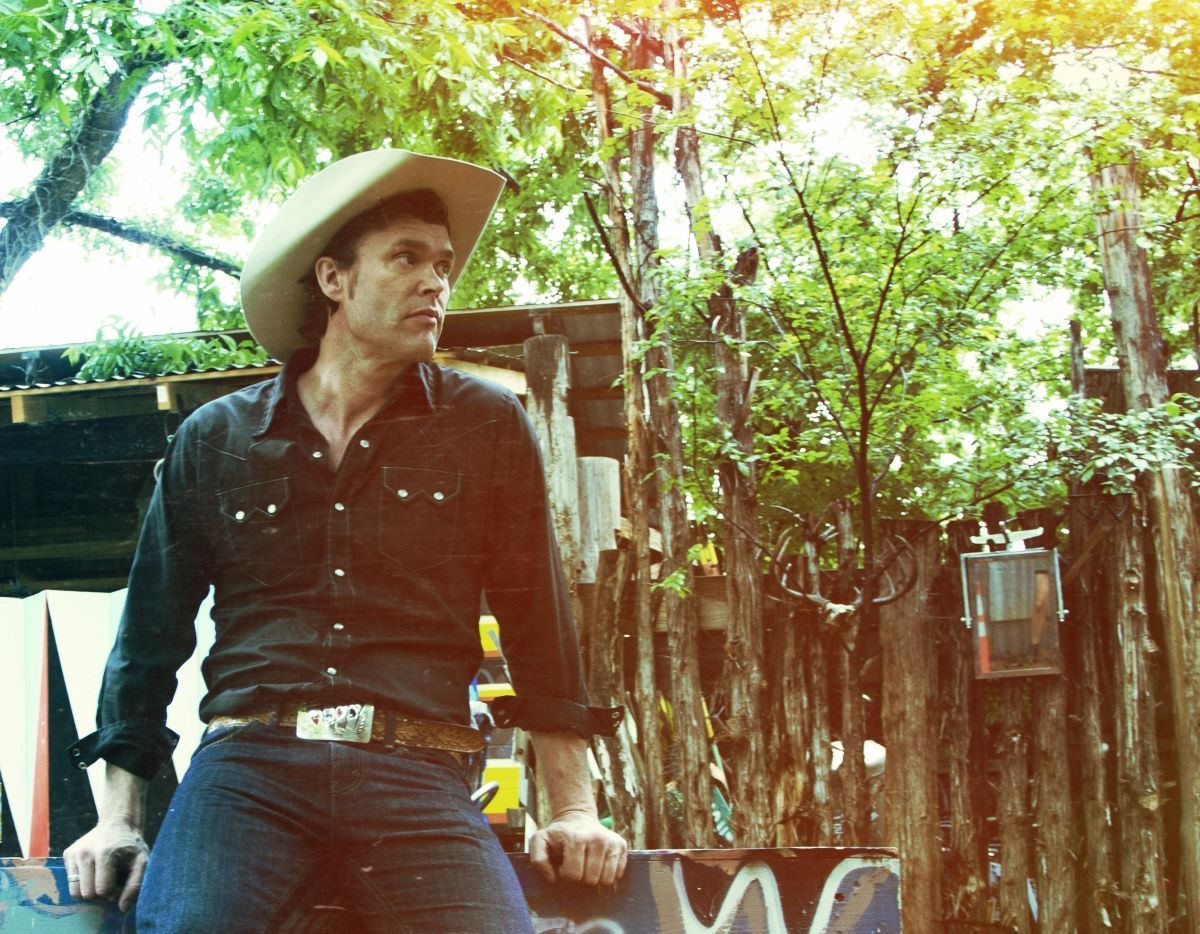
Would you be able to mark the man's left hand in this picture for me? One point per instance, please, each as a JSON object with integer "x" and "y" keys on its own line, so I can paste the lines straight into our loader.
{"x": 576, "y": 847}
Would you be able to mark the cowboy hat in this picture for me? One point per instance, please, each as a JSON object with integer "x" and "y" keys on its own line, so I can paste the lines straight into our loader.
{"x": 274, "y": 296}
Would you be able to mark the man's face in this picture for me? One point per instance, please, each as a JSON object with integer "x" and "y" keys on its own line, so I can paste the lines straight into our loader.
{"x": 393, "y": 296}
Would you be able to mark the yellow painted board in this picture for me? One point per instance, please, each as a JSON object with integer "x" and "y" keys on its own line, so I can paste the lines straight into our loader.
{"x": 489, "y": 636}
{"x": 508, "y": 773}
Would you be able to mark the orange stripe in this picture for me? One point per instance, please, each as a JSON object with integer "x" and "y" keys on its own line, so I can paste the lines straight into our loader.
{"x": 39, "y": 832}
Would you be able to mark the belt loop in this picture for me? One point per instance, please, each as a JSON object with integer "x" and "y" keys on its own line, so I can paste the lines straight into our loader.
{"x": 389, "y": 730}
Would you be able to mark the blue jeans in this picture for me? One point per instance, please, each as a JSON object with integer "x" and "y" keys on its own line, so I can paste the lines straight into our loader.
{"x": 264, "y": 822}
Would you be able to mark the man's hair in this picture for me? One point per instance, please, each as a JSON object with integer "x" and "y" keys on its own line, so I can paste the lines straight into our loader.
{"x": 421, "y": 204}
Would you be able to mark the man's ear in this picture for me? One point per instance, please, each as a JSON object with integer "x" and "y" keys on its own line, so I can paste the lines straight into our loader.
{"x": 330, "y": 278}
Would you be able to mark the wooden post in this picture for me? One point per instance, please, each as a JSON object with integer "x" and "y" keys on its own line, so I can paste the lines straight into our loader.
{"x": 599, "y": 511}
{"x": 910, "y": 680}
{"x": 1173, "y": 520}
{"x": 548, "y": 376}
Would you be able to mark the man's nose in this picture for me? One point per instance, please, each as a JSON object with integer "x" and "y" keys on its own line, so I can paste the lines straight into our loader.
{"x": 433, "y": 282}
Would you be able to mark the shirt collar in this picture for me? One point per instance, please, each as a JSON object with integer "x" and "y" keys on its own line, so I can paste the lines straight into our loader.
{"x": 413, "y": 390}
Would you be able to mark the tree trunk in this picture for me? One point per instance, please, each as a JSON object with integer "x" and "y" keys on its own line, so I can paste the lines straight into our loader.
{"x": 910, "y": 678}
{"x": 788, "y": 777}
{"x": 852, "y": 774}
{"x": 637, "y": 485}
{"x": 1139, "y": 791}
{"x": 1082, "y": 650}
{"x": 744, "y": 678}
{"x": 963, "y": 744}
{"x": 1012, "y": 806}
{"x": 816, "y": 679}
{"x": 64, "y": 177}
{"x": 616, "y": 755}
{"x": 1173, "y": 519}
{"x": 1054, "y": 843}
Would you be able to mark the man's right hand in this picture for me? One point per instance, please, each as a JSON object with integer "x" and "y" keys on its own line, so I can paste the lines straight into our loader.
{"x": 108, "y": 862}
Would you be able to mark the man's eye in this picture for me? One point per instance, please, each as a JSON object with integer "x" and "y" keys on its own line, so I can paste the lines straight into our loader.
{"x": 404, "y": 259}
{"x": 443, "y": 270}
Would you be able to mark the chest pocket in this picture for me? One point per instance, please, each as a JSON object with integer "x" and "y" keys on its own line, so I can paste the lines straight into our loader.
{"x": 418, "y": 515}
{"x": 261, "y": 530}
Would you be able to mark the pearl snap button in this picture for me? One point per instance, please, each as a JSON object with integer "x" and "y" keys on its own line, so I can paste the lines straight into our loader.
{"x": 340, "y": 507}
{"x": 339, "y": 572}
{"x": 439, "y": 496}
{"x": 271, "y": 510}
{"x": 338, "y": 627}
{"x": 403, "y": 494}
{"x": 240, "y": 515}
{"x": 317, "y": 455}
{"x": 363, "y": 442}
{"x": 331, "y": 671}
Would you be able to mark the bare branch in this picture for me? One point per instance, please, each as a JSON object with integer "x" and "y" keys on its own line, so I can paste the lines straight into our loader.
{"x": 660, "y": 96}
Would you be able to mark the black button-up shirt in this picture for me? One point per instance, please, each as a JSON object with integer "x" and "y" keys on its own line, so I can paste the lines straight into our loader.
{"x": 360, "y": 584}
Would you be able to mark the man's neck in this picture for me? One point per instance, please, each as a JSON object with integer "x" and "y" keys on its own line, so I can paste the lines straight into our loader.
{"x": 342, "y": 392}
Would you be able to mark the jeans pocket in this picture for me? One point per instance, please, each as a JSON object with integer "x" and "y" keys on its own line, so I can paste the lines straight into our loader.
{"x": 418, "y": 515}
{"x": 261, "y": 529}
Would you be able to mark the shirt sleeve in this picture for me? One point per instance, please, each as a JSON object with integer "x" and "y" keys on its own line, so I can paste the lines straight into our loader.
{"x": 157, "y": 633}
{"x": 527, "y": 592}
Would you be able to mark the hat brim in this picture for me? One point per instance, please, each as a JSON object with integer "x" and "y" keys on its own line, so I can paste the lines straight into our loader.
{"x": 274, "y": 297}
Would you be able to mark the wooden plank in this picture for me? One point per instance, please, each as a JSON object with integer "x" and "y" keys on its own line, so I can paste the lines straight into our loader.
{"x": 750, "y": 891}
{"x": 512, "y": 380}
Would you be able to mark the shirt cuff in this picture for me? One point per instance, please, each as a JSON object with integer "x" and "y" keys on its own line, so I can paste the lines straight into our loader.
{"x": 552, "y": 714}
{"x": 137, "y": 746}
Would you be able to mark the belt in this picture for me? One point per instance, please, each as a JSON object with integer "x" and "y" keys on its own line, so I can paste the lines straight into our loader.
{"x": 382, "y": 726}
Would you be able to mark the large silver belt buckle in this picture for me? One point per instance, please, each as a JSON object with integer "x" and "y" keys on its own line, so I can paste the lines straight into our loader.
{"x": 346, "y": 723}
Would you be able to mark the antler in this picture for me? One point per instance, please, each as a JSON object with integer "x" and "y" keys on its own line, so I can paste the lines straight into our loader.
{"x": 799, "y": 576}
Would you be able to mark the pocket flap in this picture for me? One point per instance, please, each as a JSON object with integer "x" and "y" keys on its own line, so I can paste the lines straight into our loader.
{"x": 408, "y": 483}
{"x": 266, "y": 498}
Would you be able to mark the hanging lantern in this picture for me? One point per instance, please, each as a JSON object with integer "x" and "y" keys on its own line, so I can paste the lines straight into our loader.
{"x": 1014, "y": 606}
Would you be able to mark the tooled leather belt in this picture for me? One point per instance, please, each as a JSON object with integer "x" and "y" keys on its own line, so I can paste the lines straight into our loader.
{"x": 363, "y": 723}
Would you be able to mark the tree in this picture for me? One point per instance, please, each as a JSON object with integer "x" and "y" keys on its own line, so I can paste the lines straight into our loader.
{"x": 260, "y": 95}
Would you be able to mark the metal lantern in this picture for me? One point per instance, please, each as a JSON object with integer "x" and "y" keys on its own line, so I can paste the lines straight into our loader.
{"x": 1014, "y": 607}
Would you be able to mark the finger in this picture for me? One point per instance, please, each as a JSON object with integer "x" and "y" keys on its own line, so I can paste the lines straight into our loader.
{"x": 539, "y": 856}
{"x": 106, "y": 877}
{"x": 609, "y": 865}
{"x": 624, "y": 859}
{"x": 87, "y": 875}
{"x": 133, "y": 883}
{"x": 72, "y": 868}
{"x": 574, "y": 860}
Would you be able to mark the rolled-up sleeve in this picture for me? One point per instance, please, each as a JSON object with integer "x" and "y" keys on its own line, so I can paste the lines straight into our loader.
{"x": 527, "y": 592}
{"x": 167, "y": 582}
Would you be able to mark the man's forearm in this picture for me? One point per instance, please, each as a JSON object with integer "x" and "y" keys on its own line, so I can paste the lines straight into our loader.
{"x": 563, "y": 766}
{"x": 124, "y": 797}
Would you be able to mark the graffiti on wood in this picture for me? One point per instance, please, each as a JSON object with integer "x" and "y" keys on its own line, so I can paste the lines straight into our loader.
{"x": 683, "y": 892}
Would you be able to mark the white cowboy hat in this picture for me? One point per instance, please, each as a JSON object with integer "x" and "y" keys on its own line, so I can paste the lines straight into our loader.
{"x": 274, "y": 296}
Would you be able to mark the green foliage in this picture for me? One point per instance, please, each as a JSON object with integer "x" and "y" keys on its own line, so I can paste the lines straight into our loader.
{"x": 120, "y": 349}
{"x": 909, "y": 173}
{"x": 1117, "y": 449}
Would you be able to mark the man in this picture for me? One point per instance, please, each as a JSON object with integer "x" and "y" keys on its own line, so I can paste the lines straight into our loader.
{"x": 349, "y": 514}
